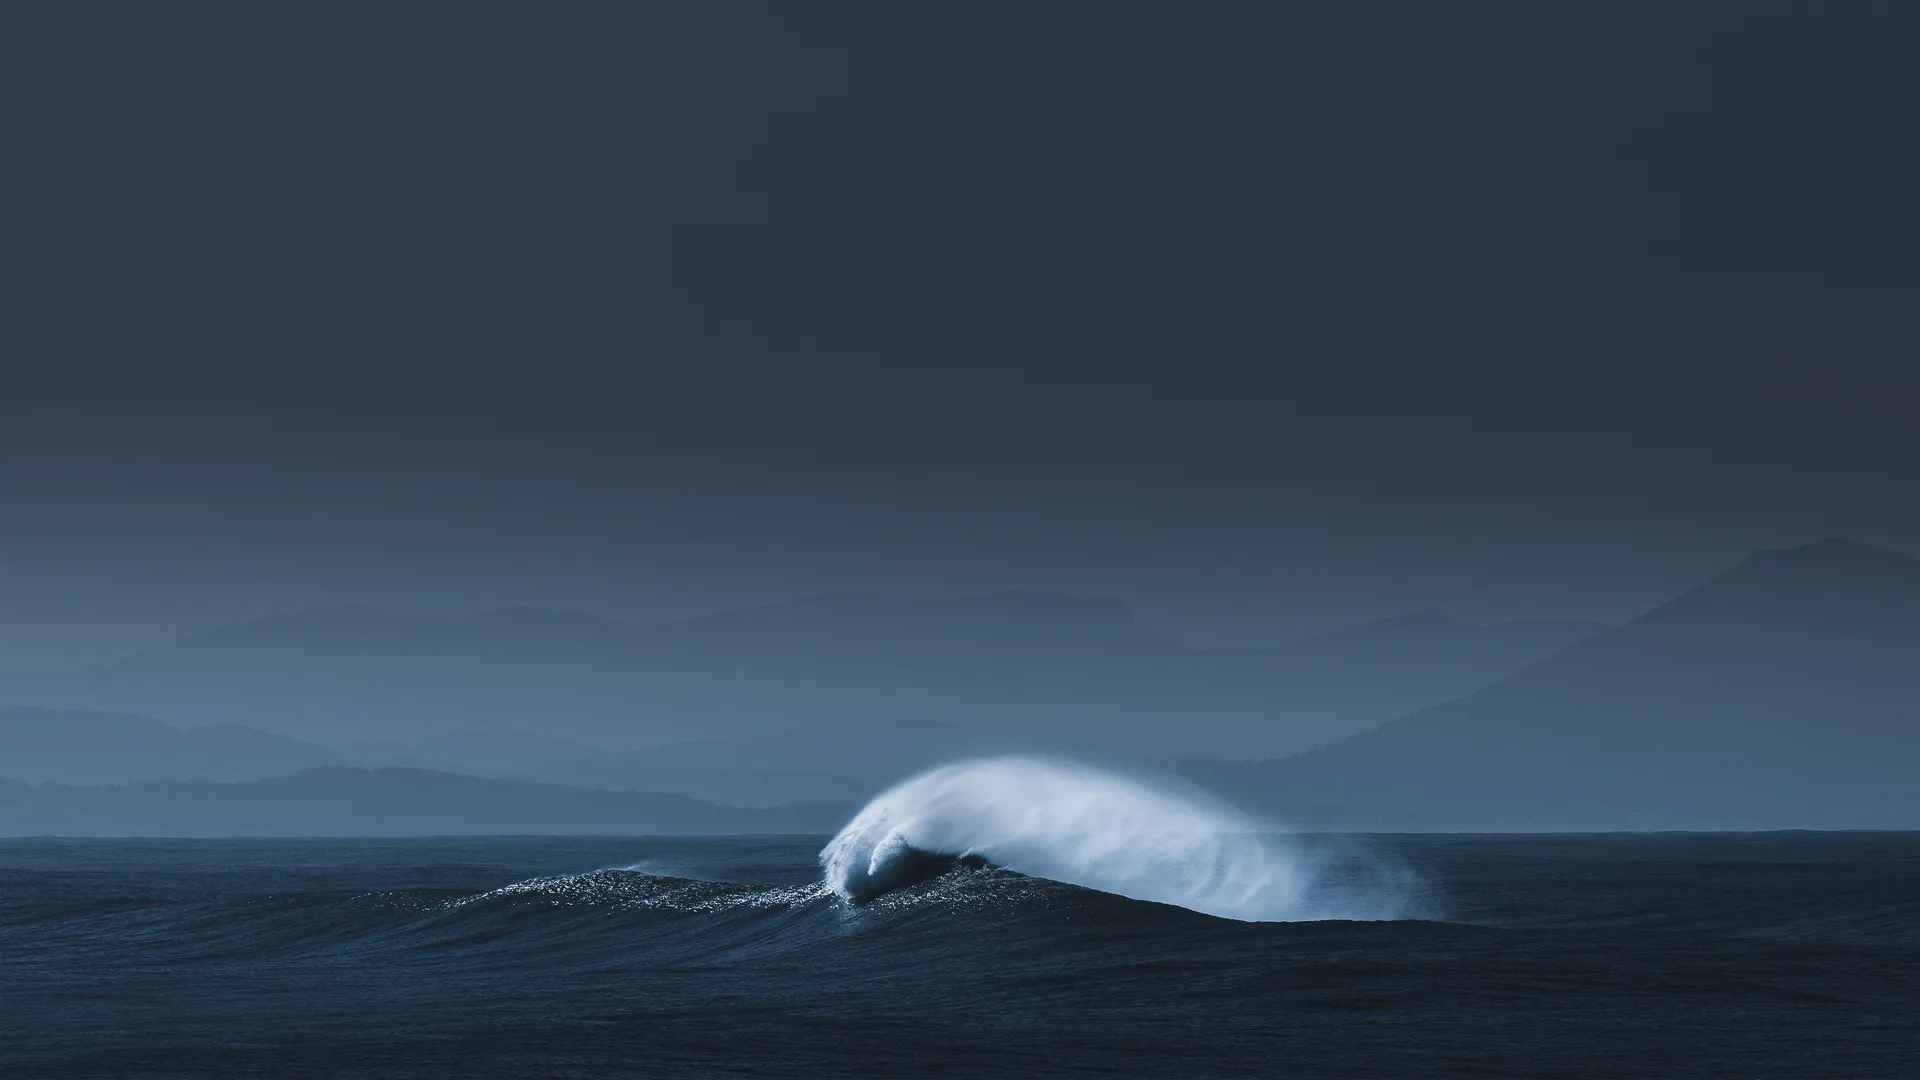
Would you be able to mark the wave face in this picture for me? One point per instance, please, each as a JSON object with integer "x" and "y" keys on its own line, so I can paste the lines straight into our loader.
{"x": 1085, "y": 826}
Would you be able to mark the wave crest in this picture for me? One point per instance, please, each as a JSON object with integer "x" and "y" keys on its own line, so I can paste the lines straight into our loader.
{"x": 1093, "y": 828}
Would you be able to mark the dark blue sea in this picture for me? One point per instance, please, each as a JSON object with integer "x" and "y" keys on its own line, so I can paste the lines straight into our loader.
{"x": 1770, "y": 955}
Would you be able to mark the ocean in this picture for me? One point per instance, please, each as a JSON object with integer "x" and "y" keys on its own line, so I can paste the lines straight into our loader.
{"x": 1667, "y": 955}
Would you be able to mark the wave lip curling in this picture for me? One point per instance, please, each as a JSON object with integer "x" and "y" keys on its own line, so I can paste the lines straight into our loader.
{"x": 1070, "y": 822}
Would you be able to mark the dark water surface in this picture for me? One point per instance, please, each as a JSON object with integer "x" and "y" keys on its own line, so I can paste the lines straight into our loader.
{"x": 1788, "y": 955}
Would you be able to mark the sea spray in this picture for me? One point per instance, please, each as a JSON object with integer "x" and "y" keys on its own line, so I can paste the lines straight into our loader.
{"x": 1099, "y": 829}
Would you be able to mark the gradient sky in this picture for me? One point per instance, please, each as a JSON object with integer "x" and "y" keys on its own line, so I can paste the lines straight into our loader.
{"x": 1268, "y": 317}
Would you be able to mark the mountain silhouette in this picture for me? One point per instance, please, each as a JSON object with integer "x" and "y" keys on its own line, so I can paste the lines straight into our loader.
{"x": 80, "y": 747}
{"x": 1029, "y": 662}
{"x": 844, "y": 764}
{"x": 493, "y": 752}
{"x": 337, "y": 801}
{"x": 1784, "y": 693}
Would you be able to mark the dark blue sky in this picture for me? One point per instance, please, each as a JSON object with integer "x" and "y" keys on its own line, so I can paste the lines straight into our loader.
{"x": 1267, "y": 316}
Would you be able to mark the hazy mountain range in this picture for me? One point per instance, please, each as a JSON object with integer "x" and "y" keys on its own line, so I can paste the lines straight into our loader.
{"x": 842, "y": 765}
{"x": 79, "y": 747}
{"x": 847, "y": 764}
{"x": 1021, "y": 662}
{"x": 1782, "y": 693}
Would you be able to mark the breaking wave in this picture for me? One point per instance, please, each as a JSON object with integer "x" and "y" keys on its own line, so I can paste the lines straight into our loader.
{"x": 1102, "y": 830}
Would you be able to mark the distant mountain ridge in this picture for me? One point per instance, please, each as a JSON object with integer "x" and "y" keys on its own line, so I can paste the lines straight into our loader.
{"x": 1020, "y": 661}
{"x": 846, "y": 764}
{"x": 1784, "y": 693}
{"x": 81, "y": 747}
{"x": 495, "y": 752}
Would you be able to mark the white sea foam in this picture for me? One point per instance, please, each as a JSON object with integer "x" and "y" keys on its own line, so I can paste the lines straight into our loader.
{"x": 1099, "y": 829}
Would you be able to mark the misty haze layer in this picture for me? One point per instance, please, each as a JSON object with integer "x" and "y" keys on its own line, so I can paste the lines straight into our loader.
{"x": 1081, "y": 669}
{"x": 1783, "y": 693}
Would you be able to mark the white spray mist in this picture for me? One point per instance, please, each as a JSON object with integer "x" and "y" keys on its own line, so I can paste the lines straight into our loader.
{"x": 1091, "y": 827}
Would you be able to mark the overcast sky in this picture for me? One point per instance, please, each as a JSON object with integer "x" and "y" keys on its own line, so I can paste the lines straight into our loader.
{"x": 1268, "y": 317}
